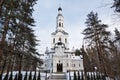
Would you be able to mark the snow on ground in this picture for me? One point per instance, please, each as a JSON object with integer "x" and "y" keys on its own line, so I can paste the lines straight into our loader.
{"x": 42, "y": 74}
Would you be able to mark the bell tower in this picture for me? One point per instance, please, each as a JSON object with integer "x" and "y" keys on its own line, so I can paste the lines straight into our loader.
{"x": 60, "y": 36}
{"x": 60, "y": 20}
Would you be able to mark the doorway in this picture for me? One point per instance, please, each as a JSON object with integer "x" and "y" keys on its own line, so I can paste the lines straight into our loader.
{"x": 59, "y": 67}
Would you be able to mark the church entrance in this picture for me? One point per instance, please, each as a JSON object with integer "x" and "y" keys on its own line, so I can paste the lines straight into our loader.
{"x": 59, "y": 67}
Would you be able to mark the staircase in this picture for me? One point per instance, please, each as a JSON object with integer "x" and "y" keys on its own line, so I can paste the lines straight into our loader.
{"x": 57, "y": 76}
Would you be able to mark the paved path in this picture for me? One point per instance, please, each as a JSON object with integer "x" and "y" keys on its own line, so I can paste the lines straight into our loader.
{"x": 57, "y": 76}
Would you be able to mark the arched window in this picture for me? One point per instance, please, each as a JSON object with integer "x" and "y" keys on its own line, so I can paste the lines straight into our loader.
{"x": 62, "y": 24}
{"x": 67, "y": 65}
{"x": 65, "y": 40}
{"x": 79, "y": 65}
{"x": 59, "y": 24}
{"x": 53, "y": 40}
{"x": 60, "y": 39}
{"x": 74, "y": 65}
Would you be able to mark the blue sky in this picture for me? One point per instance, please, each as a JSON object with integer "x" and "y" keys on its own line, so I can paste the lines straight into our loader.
{"x": 74, "y": 12}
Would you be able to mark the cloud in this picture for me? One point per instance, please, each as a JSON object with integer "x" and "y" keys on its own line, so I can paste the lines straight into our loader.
{"x": 74, "y": 13}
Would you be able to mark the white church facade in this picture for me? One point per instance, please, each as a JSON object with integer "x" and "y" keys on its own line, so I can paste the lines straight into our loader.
{"x": 60, "y": 58}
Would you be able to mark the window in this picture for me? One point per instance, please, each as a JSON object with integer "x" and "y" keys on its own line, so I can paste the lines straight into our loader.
{"x": 62, "y": 24}
{"x": 67, "y": 55}
{"x": 59, "y": 61}
{"x": 45, "y": 65}
{"x": 67, "y": 65}
{"x": 74, "y": 65}
{"x": 59, "y": 24}
{"x": 51, "y": 64}
{"x": 60, "y": 39}
{"x": 65, "y": 40}
{"x": 53, "y": 40}
{"x": 79, "y": 65}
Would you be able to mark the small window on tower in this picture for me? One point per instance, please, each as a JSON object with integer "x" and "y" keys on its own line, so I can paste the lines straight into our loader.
{"x": 53, "y": 40}
{"x": 51, "y": 64}
{"x": 45, "y": 65}
{"x": 59, "y": 24}
{"x": 67, "y": 65}
{"x": 79, "y": 65}
{"x": 74, "y": 65}
{"x": 65, "y": 40}
{"x": 60, "y": 39}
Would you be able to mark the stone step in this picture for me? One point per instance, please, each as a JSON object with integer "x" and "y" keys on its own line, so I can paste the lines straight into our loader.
{"x": 57, "y": 76}
{"x": 56, "y": 79}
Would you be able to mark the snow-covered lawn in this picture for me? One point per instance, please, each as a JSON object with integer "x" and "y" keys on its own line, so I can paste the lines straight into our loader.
{"x": 42, "y": 74}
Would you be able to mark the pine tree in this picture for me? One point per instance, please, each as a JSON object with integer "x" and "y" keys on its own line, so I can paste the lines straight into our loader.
{"x": 18, "y": 20}
{"x": 97, "y": 37}
{"x": 117, "y": 36}
{"x": 116, "y": 5}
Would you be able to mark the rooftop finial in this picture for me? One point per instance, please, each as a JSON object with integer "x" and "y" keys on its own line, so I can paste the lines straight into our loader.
{"x": 59, "y": 7}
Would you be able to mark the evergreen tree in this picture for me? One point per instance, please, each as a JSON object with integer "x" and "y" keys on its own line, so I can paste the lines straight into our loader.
{"x": 117, "y": 36}
{"x": 116, "y": 5}
{"x": 19, "y": 23}
{"x": 77, "y": 52}
{"x": 96, "y": 36}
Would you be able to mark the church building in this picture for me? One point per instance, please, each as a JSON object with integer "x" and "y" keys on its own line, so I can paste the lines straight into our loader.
{"x": 59, "y": 58}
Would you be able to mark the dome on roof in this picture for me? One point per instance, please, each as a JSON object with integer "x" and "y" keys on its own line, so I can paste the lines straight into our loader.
{"x": 59, "y": 8}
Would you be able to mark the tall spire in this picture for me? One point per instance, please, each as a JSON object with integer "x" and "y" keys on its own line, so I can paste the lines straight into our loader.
{"x": 59, "y": 9}
{"x": 60, "y": 20}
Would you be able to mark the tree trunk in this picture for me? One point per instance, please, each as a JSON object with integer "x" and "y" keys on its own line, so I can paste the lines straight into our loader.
{"x": 4, "y": 64}
{"x": 1, "y": 3}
